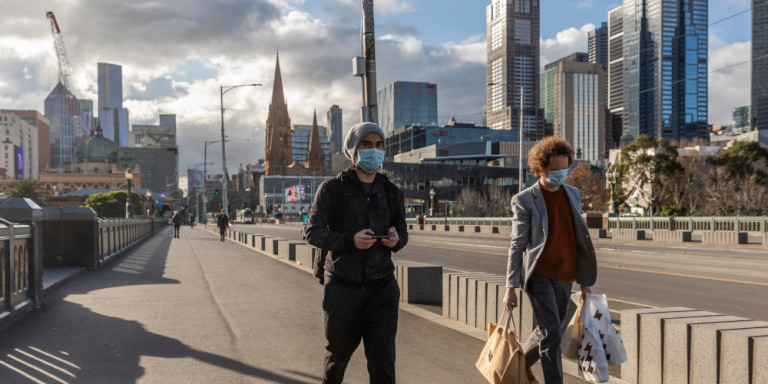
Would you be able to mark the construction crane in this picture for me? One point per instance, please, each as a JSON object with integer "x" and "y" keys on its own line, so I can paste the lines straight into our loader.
{"x": 65, "y": 70}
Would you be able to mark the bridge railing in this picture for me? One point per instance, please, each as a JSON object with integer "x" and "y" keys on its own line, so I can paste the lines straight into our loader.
{"x": 115, "y": 235}
{"x": 754, "y": 224}
{"x": 16, "y": 266}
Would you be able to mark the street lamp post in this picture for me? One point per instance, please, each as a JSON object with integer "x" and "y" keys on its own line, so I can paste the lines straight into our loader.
{"x": 128, "y": 203}
{"x": 149, "y": 202}
{"x": 224, "y": 201}
{"x": 612, "y": 178}
{"x": 520, "y": 154}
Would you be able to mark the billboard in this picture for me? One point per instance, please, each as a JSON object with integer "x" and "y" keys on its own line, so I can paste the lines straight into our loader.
{"x": 294, "y": 193}
{"x": 18, "y": 161}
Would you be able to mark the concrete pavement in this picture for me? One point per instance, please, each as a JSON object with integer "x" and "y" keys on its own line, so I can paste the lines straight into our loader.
{"x": 195, "y": 310}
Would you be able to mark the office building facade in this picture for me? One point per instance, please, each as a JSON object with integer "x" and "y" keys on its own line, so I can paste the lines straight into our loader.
{"x": 579, "y": 111}
{"x": 43, "y": 125}
{"x": 615, "y": 95}
{"x": 407, "y": 103}
{"x": 742, "y": 119}
{"x": 301, "y": 137}
{"x": 112, "y": 116}
{"x": 759, "y": 84}
{"x": 62, "y": 110}
{"x": 335, "y": 128}
{"x": 597, "y": 42}
{"x": 665, "y": 68}
{"x": 513, "y": 65}
{"x": 547, "y": 89}
{"x": 18, "y": 147}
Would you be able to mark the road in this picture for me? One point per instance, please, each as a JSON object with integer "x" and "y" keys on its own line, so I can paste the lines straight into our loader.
{"x": 732, "y": 281}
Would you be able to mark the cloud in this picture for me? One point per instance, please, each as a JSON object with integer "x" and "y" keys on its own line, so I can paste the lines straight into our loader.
{"x": 729, "y": 84}
{"x": 584, "y": 4}
{"x": 565, "y": 42}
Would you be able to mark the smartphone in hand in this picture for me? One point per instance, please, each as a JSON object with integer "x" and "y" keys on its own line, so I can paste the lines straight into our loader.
{"x": 380, "y": 236}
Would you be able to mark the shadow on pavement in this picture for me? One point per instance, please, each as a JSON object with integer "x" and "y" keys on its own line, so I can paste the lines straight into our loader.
{"x": 66, "y": 342}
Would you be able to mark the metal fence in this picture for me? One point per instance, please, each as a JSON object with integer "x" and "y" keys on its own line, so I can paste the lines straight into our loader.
{"x": 15, "y": 264}
{"x": 756, "y": 224}
{"x": 114, "y": 235}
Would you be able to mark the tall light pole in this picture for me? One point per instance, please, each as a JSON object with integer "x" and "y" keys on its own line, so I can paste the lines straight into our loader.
{"x": 205, "y": 176}
{"x": 224, "y": 202}
{"x": 520, "y": 154}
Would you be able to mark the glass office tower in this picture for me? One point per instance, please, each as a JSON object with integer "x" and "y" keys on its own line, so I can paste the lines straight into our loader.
{"x": 665, "y": 68}
{"x": 112, "y": 116}
{"x": 407, "y": 103}
{"x": 759, "y": 85}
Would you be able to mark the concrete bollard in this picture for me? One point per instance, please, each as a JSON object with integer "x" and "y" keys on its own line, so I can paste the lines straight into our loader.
{"x": 724, "y": 238}
{"x": 464, "y": 295}
{"x": 735, "y": 355}
{"x": 627, "y": 234}
{"x": 630, "y": 334}
{"x": 275, "y": 250}
{"x": 422, "y": 282}
{"x": 705, "y": 348}
{"x": 760, "y": 360}
{"x": 266, "y": 243}
{"x": 486, "y": 288}
{"x": 474, "y": 285}
{"x": 676, "y": 344}
{"x": 598, "y": 233}
{"x": 665, "y": 236}
{"x": 652, "y": 347}
{"x": 451, "y": 293}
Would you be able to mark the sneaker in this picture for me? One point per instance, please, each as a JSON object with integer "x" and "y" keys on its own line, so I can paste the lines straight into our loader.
{"x": 530, "y": 376}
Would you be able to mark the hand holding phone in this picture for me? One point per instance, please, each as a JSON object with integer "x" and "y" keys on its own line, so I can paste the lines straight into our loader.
{"x": 380, "y": 236}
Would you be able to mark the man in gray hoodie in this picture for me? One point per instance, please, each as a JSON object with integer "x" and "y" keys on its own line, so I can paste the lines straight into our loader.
{"x": 359, "y": 217}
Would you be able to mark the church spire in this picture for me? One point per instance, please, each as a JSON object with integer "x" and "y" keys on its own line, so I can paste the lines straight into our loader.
{"x": 278, "y": 130}
{"x": 278, "y": 98}
{"x": 315, "y": 156}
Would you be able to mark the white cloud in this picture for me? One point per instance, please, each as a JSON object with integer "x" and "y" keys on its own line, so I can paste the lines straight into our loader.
{"x": 584, "y": 4}
{"x": 565, "y": 42}
{"x": 729, "y": 84}
{"x": 392, "y": 6}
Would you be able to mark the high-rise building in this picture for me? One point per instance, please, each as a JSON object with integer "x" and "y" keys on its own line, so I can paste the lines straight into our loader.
{"x": 665, "y": 68}
{"x": 43, "y": 125}
{"x": 407, "y": 103}
{"x": 18, "y": 147}
{"x": 112, "y": 116}
{"x": 513, "y": 64}
{"x": 598, "y": 45}
{"x": 335, "y": 129}
{"x": 615, "y": 96}
{"x": 86, "y": 120}
{"x": 301, "y": 139}
{"x": 278, "y": 141}
{"x": 62, "y": 110}
{"x": 579, "y": 111}
{"x": 170, "y": 122}
{"x": 742, "y": 119}
{"x": 547, "y": 89}
{"x": 759, "y": 84}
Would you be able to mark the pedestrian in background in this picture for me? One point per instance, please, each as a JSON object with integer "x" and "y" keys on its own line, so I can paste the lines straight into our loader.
{"x": 550, "y": 249}
{"x": 359, "y": 217}
{"x": 223, "y": 223}
{"x": 176, "y": 224}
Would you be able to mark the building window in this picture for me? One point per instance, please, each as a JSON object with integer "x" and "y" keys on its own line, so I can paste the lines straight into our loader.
{"x": 497, "y": 35}
{"x": 523, "y": 31}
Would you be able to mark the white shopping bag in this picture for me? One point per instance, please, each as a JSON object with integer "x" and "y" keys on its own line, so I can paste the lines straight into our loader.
{"x": 601, "y": 344}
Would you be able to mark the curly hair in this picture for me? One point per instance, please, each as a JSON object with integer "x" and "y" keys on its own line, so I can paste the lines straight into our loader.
{"x": 549, "y": 147}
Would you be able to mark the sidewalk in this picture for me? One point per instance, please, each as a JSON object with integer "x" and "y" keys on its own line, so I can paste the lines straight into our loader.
{"x": 194, "y": 310}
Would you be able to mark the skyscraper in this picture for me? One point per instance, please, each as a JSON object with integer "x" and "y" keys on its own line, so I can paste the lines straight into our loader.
{"x": 278, "y": 140}
{"x": 598, "y": 45}
{"x": 615, "y": 97}
{"x": 335, "y": 128}
{"x": 62, "y": 109}
{"x": 579, "y": 110}
{"x": 547, "y": 89}
{"x": 513, "y": 63}
{"x": 665, "y": 68}
{"x": 112, "y": 116}
{"x": 407, "y": 103}
{"x": 759, "y": 91}
{"x": 170, "y": 122}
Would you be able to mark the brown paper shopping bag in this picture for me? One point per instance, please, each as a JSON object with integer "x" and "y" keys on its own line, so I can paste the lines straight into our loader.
{"x": 571, "y": 341}
{"x": 502, "y": 360}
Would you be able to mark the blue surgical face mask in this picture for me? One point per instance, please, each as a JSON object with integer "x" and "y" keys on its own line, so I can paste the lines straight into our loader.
{"x": 557, "y": 178}
{"x": 370, "y": 159}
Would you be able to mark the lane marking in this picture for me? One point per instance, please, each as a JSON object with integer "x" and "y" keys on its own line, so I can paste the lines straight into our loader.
{"x": 685, "y": 275}
{"x": 468, "y": 244}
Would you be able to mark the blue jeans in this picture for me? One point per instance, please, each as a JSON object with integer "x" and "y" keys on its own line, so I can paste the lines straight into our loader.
{"x": 549, "y": 300}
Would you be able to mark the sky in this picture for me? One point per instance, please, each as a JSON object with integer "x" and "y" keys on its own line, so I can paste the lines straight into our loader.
{"x": 176, "y": 54}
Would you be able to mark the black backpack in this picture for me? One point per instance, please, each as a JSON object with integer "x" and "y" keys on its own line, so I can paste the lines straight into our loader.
{"x": 318, "y": 263}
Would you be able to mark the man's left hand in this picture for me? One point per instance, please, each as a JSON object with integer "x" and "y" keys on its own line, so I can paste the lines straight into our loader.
{"x": 584, "y": 290}
{"x": 391, "y": 242}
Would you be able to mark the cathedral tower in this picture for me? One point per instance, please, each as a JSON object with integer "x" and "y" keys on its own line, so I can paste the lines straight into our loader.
{"x": 278, "y": 141}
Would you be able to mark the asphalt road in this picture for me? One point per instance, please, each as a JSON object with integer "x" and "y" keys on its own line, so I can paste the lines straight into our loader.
{"x": 728, "y": 280}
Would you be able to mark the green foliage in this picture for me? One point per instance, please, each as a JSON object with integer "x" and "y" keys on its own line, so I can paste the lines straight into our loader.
{"x": 744, "y": 159}
{"x": 671, "y": 210}
{"x": 30, "y": 189}
{"x": 112, "y": 204}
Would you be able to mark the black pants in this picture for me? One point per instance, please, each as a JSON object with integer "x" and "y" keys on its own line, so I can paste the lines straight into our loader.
{"x": 549, "y": 300}
{"x": 176, "y": 230}
{"x": 352, "y": 314}
{"x": 223, "y": 231}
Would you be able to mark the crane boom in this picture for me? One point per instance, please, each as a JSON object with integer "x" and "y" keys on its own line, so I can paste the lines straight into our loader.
{"x": 65, "y": 70}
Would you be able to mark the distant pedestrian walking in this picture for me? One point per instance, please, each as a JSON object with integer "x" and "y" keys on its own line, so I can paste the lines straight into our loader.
{"x": 176, "y": 224}
{"x": 223, "y": 223}
{"x": 550, "y": 248}
{"x": 359, "y": 217}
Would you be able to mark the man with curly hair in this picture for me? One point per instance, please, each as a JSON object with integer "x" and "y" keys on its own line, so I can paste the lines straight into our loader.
{"x": 550, "y": 249}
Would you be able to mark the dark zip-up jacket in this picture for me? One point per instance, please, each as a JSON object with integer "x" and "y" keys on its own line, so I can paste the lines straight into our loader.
{"x": 342, "y": 208}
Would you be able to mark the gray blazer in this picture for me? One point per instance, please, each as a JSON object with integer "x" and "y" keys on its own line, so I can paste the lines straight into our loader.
{"x": 529, "y": 235}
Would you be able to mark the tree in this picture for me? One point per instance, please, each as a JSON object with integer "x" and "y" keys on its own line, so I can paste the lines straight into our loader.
{"x": 745, "y": 158}
{"x": 30, "y": 189}
{"x": 594, "y": 195}
{"x": 112, "y": 204}
{"x": 472, "y": 203}
{"x": 650, "y": 168}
